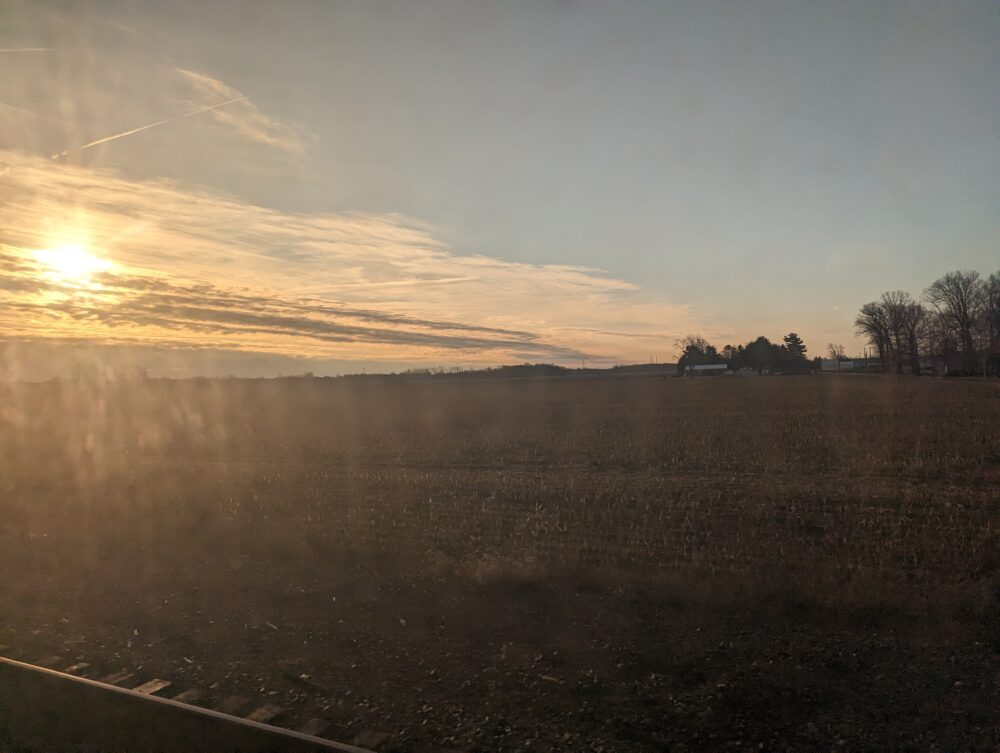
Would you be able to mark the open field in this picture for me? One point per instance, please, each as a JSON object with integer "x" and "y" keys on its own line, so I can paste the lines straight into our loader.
{"x": 640, "y": 564}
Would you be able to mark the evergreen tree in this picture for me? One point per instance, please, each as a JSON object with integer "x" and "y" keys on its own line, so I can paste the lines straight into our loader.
{"x": 794, "y": 345}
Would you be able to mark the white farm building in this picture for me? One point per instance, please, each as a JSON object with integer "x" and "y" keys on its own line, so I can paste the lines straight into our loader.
{"x": 706, "y": 369}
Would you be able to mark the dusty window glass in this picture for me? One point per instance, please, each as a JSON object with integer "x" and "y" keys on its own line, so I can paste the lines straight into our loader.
{"x": 557, "y": 375}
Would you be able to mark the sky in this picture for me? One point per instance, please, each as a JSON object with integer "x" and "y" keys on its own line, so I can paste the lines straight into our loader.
{"x": 345, "y": 186}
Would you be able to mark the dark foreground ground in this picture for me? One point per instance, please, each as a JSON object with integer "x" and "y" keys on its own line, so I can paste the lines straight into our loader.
{"x": 800, "y": 563}
{"x": 109, "y": 718}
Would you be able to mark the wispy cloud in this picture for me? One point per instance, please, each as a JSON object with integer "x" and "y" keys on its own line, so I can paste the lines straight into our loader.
{"x": 24, "y": 111}
{"x": 245, "y": 118}
{"x": 208, "y": 270}
{"x": 103, "y": 78}
{"x": 142, "y": 307}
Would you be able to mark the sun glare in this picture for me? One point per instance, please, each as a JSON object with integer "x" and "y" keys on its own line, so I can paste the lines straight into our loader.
{"x": 72, "y": 263}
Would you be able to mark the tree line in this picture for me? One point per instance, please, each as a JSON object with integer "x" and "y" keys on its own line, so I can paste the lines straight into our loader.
{"x": 955, "y": 325}
{"x": 760, "y": 354}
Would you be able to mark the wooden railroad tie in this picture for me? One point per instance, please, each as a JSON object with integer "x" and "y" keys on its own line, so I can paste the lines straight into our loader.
{"x": 232, "y": 704}
{"x": 152, "y": 687}
{"x": 266, "y": 713}
{"x": 117, "y": 678}
{"x": 314, "y": 727}
{"x": 188, "y": 696}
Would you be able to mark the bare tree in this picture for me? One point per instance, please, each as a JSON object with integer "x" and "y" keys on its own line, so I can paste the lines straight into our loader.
{"x": 958, "y": 300}
{"x": 991, "y": 323}
{"x": 692, "y": 343}
{"x": 915, "y": 327}
{"x": 991, "y": 308}
{"x": 836, "y": 352}
{"x": 895, "y": 304}
{"x": 695, "y": 349}
{"x": 907, "y": 324}
{"x": 872, "y": 322}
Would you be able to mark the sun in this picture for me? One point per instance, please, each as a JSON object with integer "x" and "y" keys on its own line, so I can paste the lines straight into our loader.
{"x": 72, "y": 263}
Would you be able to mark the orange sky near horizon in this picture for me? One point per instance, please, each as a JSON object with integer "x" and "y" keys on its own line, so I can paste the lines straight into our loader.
{"x": 336, "y": 187}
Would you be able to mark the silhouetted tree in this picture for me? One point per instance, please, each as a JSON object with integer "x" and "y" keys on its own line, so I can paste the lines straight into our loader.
{"x": 991, "y": 322}
{"x": 991, "y": 308}
{"x": 957, "y": 297}
{"x": 915, "y": 330}
{"x": 696, "y": 350}
{"x": 894, "y": 304}
{"x": 693, "y": 344}
{"x": 759, "y": 354}
{"x": 895, "y": 324}
{"x": 793, "y": 343}
{"x": 872, "y": 323}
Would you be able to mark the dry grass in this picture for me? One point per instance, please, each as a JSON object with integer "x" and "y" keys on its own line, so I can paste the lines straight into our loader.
{"x": 164, "y": 503}
{"x": 820, "y": 478}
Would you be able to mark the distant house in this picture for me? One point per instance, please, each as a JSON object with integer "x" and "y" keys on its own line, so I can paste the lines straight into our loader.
{"x": 706, "y": 369}
{"x": 832, "y": 364}
{"x": 930, "y": 365}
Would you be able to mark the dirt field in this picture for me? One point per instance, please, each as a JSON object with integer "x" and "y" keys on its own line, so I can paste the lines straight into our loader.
{"x": 784, "y": 563}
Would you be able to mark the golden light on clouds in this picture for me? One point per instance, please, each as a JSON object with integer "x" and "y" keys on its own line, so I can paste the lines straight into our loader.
{"x": 116, "y": 257}
{"x": 164, "y": 264}
{"x": 72, "y": 264}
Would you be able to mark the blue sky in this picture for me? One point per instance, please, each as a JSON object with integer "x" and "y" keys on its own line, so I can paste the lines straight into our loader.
{"x": 733, "y": 169}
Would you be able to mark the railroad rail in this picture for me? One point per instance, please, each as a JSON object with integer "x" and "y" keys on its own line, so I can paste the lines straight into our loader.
{"x": 44, "y": 710}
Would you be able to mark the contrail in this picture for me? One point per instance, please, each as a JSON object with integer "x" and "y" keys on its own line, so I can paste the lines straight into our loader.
{"x": 27, "y": 49}
{"x": 22, "y": 111}
{"x": 60, "y": 155}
